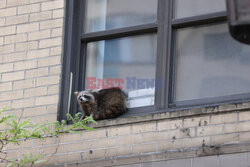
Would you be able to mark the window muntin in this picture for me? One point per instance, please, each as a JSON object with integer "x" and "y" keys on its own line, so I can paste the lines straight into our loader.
{"x": 216, "y": 65}
{"x": 189, "y": 8}
{"x": 111, "y": 14}
{"x": 130, "y": 59}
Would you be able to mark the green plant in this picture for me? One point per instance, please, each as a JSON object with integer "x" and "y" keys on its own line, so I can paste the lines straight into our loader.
{"x": 18, "y": 130}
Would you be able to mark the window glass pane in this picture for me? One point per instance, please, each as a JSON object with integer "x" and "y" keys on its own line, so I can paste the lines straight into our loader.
{"x": 210, "y": 63}
{"x": 129, "y": 61}
{"x": 188, "y": 8}
{"x": 110, "y": 14}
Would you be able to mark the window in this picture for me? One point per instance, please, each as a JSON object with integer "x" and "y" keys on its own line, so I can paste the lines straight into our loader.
{"x": 166, "y": 54}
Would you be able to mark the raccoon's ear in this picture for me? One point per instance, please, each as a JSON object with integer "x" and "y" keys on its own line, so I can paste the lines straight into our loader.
{"x": 76, "y": 93}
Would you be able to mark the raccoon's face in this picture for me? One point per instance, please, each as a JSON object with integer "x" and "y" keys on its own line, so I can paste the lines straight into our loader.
{"x": 85, "y": 97}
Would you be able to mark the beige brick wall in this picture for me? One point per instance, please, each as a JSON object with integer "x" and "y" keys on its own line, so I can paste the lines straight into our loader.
{"x": 31, "y": 36}
{"x": 31, "y": 33}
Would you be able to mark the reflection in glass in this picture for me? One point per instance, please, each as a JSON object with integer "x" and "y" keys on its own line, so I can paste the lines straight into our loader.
{"x": 110, "y": 14}
{"x": 210, "y": 63}
{"x": 188, "y": 8}
{"x": 126, "y": 59}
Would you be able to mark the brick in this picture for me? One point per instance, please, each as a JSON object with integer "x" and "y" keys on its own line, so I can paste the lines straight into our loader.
{"x": 35, "y": 1}
{"x": 112, "y": 152}
{"x": 51, "y": 80}
{"x": 55, "y": 70}
{"x": 6, "y": 49}
{"x": 26, "y": 46}
{"x": 144, "y": 127}
{"x": 156, "y": 136}
{"x": 224, "y": 139}
{"x": 196, "y": 142}
{"x": 15, "y": 38}
{"x": 27, "y": 27}
{"x": 170, "y": 145}
{"x": 143, "y": 148}
{"x": 36, "y": 72}
{"x": 50, "y": 42}
{"x": 54, "y": 149}
{"x": 240, "y": 127}
{"x": 128, "y": 140}
{"x": 69, "y": 138}
{"x": 19, "y": 56}
{"x": 57, "y": 32}
{"x": 45, "y": 100}
{"x": 182, "y": 133}
{"x": 3, "y": 4}
{"x": 39, "y": 35}
{"x": 22, "y": 103}
{"x": 169, "y": 125}
{"x": 95, "y": 134}
{"x": 52, "y": 109}
{"x": 40, "y": 91}
{"x": 227, "y": 107}
{"x": 45, "y": 142}
{"x": 12, "y": 76}
{"x": 7, "y": 30}
{"x": 6, "y": 67}
{"x": 205, "y": 161}
{"x": 45, "y": 118}
{"x": 209, "y": 130}
{"x": 28, "y": 83}
{"x": 25, "y": 65}
{"x": 93, "y": 154}
{"x": 198, "y": 121}
{"x": 96, "y": 144}
{"x": 1, "y": 42}
{"x": 244, "y": 137}
{"x": 53, "y": 89}
{"x": 2, "y": 21}
{"x": 28, "y": 9}
{"x": 34, "y": 111}
{"x": 40, "y": 16}
{"x": 5, "y": 86}
{"x": 56, "y": 51}
{"x": 223, "y": 118}
{"x": 16, "y": 19}
{"x": 49, "y": 61}
{"x": 11, "y": 95}
{"x": 239, "y": 160}
{"x": 8, "y": 12}
{"x": 58, "y": 13}
{"x": 119, "y": 131}
{"x": 51, "y": 24}
{"x": 17, "y": 2}
{"x": 5, "y": 104}
{"x": 52, "y": 5}
{"x": 27, "y": 143}
{"x": 244, "y": 116}
{"x": 38, "y": 54}
{"x": 73, "y": 158}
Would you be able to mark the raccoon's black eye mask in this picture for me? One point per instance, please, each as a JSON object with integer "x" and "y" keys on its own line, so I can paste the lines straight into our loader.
{"x": 86, "y": 97}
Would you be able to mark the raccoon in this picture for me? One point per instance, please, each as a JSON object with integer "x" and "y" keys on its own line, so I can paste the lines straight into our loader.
{"x": 102, "y": 104}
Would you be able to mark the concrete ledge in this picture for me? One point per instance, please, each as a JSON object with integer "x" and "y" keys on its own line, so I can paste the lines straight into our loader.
{"x": 175, "y": 114}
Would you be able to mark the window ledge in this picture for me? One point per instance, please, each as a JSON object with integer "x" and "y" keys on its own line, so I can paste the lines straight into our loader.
{"x": 165, "y": 114}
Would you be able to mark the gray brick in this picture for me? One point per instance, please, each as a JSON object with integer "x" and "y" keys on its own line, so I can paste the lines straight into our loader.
{"x": 233, "y": 160}
{"x": 209, "y": 161}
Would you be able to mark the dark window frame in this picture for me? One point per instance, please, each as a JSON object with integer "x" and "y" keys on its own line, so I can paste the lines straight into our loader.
{"x": 75, "y": 43}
